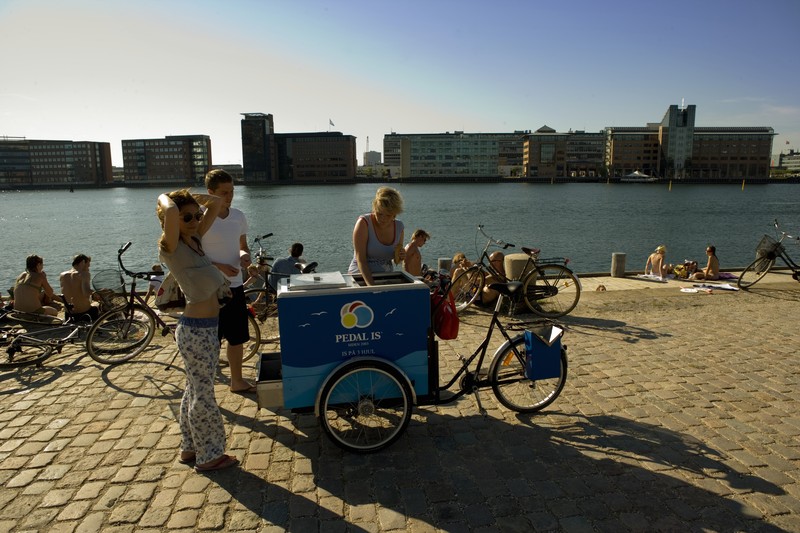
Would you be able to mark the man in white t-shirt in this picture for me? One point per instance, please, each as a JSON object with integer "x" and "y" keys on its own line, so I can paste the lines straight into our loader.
{"x": 223, "y": 243}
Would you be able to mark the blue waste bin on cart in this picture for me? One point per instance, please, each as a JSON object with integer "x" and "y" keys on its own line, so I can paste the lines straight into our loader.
{"x": 326, "y": 319}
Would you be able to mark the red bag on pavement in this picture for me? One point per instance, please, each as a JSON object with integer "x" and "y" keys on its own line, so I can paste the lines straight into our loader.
{"x": 445, "y": 317}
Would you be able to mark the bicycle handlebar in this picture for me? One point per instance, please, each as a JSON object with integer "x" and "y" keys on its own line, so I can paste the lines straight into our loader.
{"x": 266, "y": 236}
{"x": 141, "y": 275}
{"x": 786, "y": 235}
{"x": 504, "y": 244}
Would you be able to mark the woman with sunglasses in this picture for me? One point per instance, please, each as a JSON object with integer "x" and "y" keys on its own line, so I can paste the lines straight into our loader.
{"x": 711, "y": 271}
{"x": 203, "y": 285}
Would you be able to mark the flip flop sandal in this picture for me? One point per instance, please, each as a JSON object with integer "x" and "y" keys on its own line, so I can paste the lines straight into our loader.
{"x": 224, "y": 461}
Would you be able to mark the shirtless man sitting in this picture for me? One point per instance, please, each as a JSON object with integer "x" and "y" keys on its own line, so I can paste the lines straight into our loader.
{"x": 77, "y": 288}
{"x": 32, "y": 292}
{"x": 413, "y": 260}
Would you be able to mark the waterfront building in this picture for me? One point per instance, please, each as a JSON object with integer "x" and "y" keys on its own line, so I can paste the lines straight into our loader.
{"x": 258, "y": 148}
{"x": 177, "y": 159}
{"x": 790, "y": 162}
{"x": 270, "y": 157}
{"x": 234, "y": 170}
{"x": 48, "y": 163}
{"x": 455, "y": 155}
{"x": 372, "y": 158}
{"x": 550, "y": 154}
{"x": 677, "y": 149}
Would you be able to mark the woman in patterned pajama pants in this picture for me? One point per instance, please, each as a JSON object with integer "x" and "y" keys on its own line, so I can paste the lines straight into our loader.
{"x": 200, "y": 420}
{"x": 203, "y": 285}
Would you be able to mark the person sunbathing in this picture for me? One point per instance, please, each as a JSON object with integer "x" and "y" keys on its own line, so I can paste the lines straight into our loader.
{"x": 711, "y": 271}
{"x": 655, "y": 264}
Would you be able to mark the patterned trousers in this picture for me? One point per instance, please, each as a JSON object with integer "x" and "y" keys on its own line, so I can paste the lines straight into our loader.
{"x": 202, "y": 430}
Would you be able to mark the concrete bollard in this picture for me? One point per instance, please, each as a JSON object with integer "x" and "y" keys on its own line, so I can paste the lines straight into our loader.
{"x": 514, "y": 265}
{"x": 444, "y": 264}
{"x": 617, "y": 265}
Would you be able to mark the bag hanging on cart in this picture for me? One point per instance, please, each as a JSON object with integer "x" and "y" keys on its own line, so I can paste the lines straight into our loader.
{"x": 543, "y": 353}
{"x": 445, "y": 317}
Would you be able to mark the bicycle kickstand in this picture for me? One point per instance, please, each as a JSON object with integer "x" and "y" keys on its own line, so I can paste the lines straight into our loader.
{"x": 175, "y": 356}
{"x": 481, "y": 410}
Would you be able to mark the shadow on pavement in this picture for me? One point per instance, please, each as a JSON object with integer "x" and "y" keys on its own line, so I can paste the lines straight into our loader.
{"x": 469, "y": 472}
{"x": 609, "y": 328}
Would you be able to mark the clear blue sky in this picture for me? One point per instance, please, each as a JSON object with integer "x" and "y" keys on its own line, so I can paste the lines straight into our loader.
{"x": 107, "y": 70}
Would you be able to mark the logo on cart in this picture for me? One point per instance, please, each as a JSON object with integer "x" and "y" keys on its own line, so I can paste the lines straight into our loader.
{"x": 356, "y": 315}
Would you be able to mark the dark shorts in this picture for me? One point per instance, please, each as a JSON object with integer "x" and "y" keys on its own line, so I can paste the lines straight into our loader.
{"x": 233, "y": 325}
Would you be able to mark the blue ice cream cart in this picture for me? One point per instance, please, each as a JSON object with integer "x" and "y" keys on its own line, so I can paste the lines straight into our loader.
{"x": 362, "y": 356}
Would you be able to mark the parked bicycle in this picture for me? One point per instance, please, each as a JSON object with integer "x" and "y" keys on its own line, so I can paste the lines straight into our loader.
{"x": 31, "y": 343}
{"x": 767, "y": 251}
{"x": 125, "y": 331}
{"x": 263, "y": 301}
{"x": 549, "y": 288}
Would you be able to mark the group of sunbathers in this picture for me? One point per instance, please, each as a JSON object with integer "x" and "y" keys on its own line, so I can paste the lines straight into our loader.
{"x": 656, "y": 265}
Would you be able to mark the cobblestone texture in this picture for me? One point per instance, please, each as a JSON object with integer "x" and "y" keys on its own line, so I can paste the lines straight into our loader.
{"x": 680, "y": 413}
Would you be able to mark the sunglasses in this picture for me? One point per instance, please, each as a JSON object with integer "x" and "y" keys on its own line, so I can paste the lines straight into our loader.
{"x": 188, "y": 217}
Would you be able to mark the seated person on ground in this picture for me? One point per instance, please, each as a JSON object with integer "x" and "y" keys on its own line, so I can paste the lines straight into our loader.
{"x": 711, "y": 271}
{"x": 155, "y": 281}
{"x": 497, "y": 261}
{"x": 460, "y": 263}
{"x": 655, "y": 264}
{"x": 254, "y": 278}
{"x": 285, "y": 267}
{"x": 413, "y": 260}
{"x": 77, "y": 287}
{"x": 32, "y": 292}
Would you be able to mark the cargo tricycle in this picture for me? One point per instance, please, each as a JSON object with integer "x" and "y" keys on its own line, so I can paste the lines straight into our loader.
{"x": 362, "y": 356}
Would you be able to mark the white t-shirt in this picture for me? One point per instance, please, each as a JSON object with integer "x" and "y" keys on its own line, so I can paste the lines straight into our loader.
{"x": 221, "y": 242}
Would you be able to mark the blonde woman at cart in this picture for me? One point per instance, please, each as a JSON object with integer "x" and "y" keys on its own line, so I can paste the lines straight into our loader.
{"x": 183, "y": 223}
{"x": 378, "y": 236}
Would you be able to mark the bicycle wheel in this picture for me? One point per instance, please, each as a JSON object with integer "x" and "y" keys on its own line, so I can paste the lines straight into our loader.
{"x": 755, "y": 271}
{"x": 33, "y": 319}
{"x": 24, "y": 354}
{"x": 513, "y": 389}
{"x": 250, "y": 348}
{"x": 467, "y": 287}
{"x": 365, "y": 406}
{"x": 551, "y": 291}
{"x": 120, "y": 335}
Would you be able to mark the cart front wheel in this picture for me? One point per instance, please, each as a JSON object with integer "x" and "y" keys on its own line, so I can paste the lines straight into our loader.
{"x": 365, "y": 406}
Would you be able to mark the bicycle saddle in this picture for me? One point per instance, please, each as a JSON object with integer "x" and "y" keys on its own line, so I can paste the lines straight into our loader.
{"x": 531, "y": 251}
{"x": 506, "y": 289}
{"x": 305, "y": 269}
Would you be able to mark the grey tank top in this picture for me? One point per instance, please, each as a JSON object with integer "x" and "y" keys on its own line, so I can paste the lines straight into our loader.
{"x": 380, "y": 256}
{"x": 196, "y": 276}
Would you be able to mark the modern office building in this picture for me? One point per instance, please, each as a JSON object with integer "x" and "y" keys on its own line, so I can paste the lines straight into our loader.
{"x": 550, "y": 154}
{"x": 454, "y": 155}
{"x": 372, "y": 158}
{"x": 790, "y": 161}
{"x": 677, "y": 149}
{"x": 180, "y": 159}
{"x": 43, "y": 163}
{"x": 258, "y": 148}
{"x": 270, "y": 157}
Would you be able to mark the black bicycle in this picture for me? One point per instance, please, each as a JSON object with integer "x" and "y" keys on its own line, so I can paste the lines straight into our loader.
{"x": 549, "y": 288}
{"x": 767, "y": 251}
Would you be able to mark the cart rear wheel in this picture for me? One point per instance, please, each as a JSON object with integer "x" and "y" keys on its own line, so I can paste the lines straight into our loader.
{"x": 365, "y": 406}
{"x": 514, "y": 390}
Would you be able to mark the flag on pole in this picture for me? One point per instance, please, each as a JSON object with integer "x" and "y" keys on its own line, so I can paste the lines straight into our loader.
{"x": 331, "y": 123}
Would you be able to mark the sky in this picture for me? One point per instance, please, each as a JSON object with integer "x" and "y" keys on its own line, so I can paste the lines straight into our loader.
{"x": 108, "y": 70}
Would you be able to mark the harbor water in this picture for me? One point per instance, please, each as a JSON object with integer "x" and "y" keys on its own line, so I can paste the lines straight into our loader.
{"x": 584, "y": 222}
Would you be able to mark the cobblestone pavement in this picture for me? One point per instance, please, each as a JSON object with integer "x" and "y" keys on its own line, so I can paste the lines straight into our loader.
{"x": 680, "y": 413}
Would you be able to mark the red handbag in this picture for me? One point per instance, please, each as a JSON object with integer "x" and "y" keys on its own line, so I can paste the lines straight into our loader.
{"x": 445, "y": 317}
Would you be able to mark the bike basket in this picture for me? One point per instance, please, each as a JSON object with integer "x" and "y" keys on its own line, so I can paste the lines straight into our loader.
{"x": 109, "y": 285}
{"x": 543, "y": 352}
{"x": 768, "y": 246}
